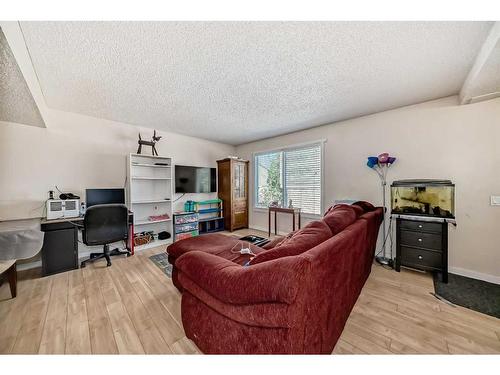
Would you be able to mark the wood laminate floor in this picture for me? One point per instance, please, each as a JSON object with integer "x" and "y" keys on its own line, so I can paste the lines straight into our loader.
{"x": 132, "y": 307}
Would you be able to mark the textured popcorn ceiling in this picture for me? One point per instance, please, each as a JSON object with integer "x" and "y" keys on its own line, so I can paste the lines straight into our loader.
{"x": 16, "y": 102}
{"x": 241, "y": 81}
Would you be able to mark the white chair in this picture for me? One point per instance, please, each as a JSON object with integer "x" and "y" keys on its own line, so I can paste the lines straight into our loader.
{"x": 19, "y": 239}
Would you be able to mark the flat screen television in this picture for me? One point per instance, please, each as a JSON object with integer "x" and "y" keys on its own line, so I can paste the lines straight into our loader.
{"x": 195, "y": 179}
{"x": 104, "y": 196}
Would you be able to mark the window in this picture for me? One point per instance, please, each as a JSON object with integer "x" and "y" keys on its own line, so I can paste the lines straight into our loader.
{"x": 293, "y": 173}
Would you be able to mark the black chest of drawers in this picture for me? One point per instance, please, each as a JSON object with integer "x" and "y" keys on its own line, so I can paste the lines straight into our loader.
{"x": 422, "y": 245}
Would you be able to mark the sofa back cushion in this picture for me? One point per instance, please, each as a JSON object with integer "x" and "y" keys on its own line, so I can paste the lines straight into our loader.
{"x": 340, "y": 217}
{"x": 366, "y": 206}
{"x": 311, "y": 235}
{"x": 273, "y": 242}
{"x": 359, "y": 211}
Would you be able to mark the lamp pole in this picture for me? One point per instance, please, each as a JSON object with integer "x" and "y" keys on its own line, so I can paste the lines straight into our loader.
{"x": 381, "y": 165}
{"x": 384, "y": 259}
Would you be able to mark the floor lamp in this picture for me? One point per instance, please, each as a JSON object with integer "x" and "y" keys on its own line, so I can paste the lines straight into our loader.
{"x": 381, "y": 165}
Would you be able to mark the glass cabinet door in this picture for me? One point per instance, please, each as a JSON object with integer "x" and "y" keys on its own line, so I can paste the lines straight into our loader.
{"x": 236, "y": 183}
{"x": 242, "y": 181}
{"x": 239, "y": 181}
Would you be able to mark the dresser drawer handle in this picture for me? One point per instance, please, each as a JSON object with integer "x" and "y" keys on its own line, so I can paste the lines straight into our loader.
{"x": 420, "y": 225}
{"x": 420, "y": 257}
{"x": 419, "y": 240}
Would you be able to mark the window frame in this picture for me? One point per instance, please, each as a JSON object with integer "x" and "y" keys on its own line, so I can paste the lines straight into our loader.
{"x": 297, "y": 146}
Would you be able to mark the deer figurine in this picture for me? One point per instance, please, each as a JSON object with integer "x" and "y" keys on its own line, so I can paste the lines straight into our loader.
{"x": 151, "y": 143}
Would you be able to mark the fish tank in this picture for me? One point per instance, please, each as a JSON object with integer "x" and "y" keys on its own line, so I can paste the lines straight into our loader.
{"x": 434, "y": 198}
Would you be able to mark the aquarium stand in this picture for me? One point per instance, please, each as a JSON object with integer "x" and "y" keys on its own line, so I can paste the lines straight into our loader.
{"x": 422, "y": 244}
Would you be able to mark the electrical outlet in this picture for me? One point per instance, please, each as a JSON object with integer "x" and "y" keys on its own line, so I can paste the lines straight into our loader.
{"x": 495, "y": 200}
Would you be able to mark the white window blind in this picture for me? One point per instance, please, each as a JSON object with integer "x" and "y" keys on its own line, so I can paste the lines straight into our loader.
{"x": 303, "y": 178}
{"x": 293, "y": 173}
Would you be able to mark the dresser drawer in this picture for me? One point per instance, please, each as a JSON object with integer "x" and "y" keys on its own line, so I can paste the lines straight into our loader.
{"x": 423, "y": 226}
{"x": 421, "y": 258}
{"x": 421, "y": 239}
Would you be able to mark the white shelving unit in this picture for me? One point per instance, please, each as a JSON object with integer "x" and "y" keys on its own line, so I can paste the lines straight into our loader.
{"x": 151, "y": 178}
{"x": 148, "y": 201}
{"x": 149, "y": 193}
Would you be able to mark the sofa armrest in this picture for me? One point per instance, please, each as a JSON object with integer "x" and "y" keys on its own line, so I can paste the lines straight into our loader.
{"x": 273, "y": 281}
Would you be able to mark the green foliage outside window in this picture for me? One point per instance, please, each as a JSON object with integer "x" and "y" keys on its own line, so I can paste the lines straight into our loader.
{"x": 273, "y": 190}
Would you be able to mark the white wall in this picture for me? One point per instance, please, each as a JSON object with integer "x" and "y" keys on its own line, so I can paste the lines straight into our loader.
{"x": 76, "y": 152}
{"x": 437, "y": 139}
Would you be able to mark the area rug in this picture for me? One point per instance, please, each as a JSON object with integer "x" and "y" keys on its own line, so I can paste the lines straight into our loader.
{"x": 161, "y": 261}
{"x": 473, "y": 294}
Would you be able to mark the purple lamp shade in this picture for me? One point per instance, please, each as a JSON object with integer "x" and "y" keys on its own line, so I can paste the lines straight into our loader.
{"x": 382, "y": 158}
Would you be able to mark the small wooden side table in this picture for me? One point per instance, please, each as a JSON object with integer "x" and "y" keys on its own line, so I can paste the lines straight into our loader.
{"x": 8, "y": 270}
{"x": 293, "y": 211}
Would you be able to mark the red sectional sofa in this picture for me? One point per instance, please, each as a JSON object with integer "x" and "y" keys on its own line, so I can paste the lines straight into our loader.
{"x": 292, "y": 298}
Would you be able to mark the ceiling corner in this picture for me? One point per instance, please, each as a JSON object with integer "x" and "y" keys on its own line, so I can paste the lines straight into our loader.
{"x": 483, "y": 81}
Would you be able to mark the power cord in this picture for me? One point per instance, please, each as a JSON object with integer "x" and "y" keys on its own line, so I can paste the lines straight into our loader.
{"x": 242, "y": 250}
{"x": 75, "y": 224}
{"x": 43, "y": 206}
{"x": 175, "y": 200}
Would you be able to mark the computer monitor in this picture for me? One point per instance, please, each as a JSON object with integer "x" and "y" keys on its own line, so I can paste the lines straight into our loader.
{"x": 104, "y": 196}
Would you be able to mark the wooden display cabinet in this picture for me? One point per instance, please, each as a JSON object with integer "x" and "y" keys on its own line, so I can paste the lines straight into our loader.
{"x": 233, "y": 190}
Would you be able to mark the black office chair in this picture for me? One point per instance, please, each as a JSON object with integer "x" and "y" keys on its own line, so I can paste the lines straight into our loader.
{"x": 104, "y": 224}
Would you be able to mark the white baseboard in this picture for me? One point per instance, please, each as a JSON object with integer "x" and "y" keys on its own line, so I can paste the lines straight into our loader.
{"x": 475, "y": 275}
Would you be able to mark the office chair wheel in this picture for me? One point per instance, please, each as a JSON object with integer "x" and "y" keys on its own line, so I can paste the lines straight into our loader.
{"x": 108, "y": 264}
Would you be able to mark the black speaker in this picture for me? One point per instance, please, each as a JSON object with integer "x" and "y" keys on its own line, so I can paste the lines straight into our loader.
{"x": 164, "y": 235}
{"x": 65, "y": 196}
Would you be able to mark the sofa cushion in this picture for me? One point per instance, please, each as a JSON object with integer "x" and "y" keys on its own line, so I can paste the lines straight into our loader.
{"x": 359, "y": 210}
{"x": 213, "y": 243}
{"x": 272, "y": 315}
{"x": 366, "y": 206}
{"x": 340, "y": 217}
{"x": 226, "y": 247}
{"x": 311, "y": 235}
{"x": 273, "y": 243}
{"x": 228, "y": 282}
{"x": 283, "y": 240}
